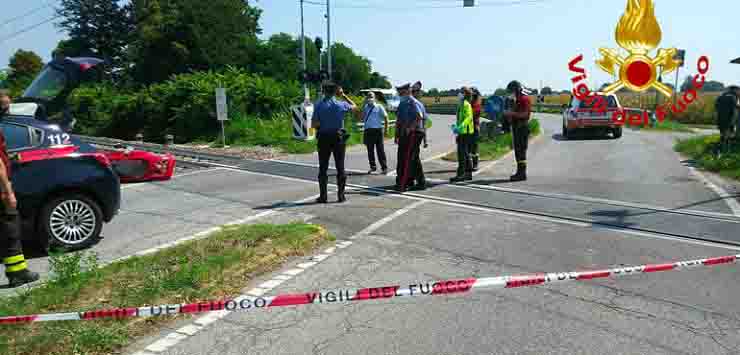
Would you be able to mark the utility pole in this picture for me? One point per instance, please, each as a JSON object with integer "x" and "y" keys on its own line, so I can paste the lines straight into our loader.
{"x": 306, "y": 95}
{"x": 328, "y": 37}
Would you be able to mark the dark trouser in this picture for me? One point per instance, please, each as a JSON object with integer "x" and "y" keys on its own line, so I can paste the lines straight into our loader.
{"x": 474, "y": 148}
{"x": 11, "y": 250}
{"x": 374, "y": 141}
{"x": 408, "y": 167}
{"x": 464, "y": 159}
{"x": 330, "y": 144}
{"x": 520, "y": 131}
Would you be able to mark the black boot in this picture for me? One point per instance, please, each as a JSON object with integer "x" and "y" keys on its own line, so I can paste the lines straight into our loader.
{"x": 323, "y": 183}
{"x": 521, "y": 172}
{"x": 341, "y": 184}
{"x": 22, "y": 277}
{"x": 475, "y": 162}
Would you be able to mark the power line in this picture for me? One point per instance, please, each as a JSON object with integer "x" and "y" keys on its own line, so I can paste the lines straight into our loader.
{"x": 24, "y": 15}
{"x": 419, "y": 6}
{"x": 27, "y": 29}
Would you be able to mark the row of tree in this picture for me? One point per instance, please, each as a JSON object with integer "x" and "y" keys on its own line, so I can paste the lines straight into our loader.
{"x": 148, "y": 41}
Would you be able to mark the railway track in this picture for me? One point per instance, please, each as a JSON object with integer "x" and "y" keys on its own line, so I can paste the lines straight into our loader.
{"x": 486, "y": 198}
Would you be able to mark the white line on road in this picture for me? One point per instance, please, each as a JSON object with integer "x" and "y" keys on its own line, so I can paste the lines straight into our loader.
{"x": 312, "y": 165}
{"x": 465, "y": 205}
{"x": 723, "y": 194}
{"x": 375, "y": 226}
{"x": 125, "y": 187}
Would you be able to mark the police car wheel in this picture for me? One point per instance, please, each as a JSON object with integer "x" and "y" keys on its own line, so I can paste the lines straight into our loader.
{"x": 71, "y": 222}
{"x": 617, "y": 132}
{"x": 566, "y": 132}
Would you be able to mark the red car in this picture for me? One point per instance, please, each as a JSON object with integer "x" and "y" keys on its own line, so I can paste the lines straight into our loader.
{"x": 47, "y": 96}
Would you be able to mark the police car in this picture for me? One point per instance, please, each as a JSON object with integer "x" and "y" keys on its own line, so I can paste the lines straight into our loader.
{"x": 66, "y": 188}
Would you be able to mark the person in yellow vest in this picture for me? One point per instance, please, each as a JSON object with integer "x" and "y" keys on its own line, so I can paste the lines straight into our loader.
{"x": 465, "y": 130}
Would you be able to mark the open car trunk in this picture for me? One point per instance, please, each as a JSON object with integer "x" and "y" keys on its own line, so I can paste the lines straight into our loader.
{"x": 46, "y": 99}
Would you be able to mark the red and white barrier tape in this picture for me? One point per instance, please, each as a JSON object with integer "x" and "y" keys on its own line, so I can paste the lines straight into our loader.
{"x": 364, "y": 294}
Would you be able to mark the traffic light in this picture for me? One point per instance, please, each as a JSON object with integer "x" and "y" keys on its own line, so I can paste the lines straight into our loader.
{"x": 468, "y": 3}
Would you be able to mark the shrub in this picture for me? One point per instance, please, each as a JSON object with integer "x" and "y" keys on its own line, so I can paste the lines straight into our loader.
{"x": 183, "y": 106}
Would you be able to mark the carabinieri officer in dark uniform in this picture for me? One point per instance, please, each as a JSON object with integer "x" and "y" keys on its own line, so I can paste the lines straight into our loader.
{"x": 328, "y": 118}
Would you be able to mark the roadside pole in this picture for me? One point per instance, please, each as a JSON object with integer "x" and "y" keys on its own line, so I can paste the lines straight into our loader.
{"x": 328, "y": 37}
{"x": 222, "y": 111}
{"x": 306, "y": 94}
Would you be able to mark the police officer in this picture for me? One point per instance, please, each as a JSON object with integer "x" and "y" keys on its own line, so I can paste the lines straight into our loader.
{"x": 328, "y": 119}
{"x": 416, "y": 92}
{"x": 727, "y": 108}
{"x": 465, "y": 129}
{"x": 519, "y": 118}
{"x": 409, "y": 136}
{"x": 11, "y": 250}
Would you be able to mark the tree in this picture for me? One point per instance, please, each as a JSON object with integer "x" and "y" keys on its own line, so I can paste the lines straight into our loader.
{"x": 178, "y": 36}
{"x": 24, "y": 66}
{"x": 3, "y": 79}
{"x": 535, "y": 92}
{"x": 100, "y": 28}
{"x": 433, "y": 92}
{"x": 503, "y": 92}
{"x": 547, "y": 90}
{"x": 710, "y": 86}
{"x": 350, "y": 70}
{"x": 379, "y": 81}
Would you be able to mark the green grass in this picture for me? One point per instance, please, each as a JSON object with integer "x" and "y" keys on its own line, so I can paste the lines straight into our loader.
{"x": 665, "y": 126}
{"x": 278, "y": 133}
{"x": 703, "y": 150}
{"x": 213, "y": 268}
{"x": 493, "y": 148}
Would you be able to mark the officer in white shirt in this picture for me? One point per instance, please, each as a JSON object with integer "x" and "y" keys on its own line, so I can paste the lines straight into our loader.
{"x": 375, "y": 120}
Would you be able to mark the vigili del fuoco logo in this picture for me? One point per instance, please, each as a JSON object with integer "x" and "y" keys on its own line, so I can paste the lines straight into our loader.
{"x": 638, "y": 33}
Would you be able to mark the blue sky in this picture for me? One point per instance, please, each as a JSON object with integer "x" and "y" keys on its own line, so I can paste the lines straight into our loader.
{"x": 484, "y": 46}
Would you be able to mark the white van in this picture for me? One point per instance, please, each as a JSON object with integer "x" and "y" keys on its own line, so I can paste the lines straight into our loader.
{"x": 390, "y": 95}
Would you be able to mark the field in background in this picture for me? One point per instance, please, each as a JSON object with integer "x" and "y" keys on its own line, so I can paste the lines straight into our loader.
{"x": 701, "y": 111}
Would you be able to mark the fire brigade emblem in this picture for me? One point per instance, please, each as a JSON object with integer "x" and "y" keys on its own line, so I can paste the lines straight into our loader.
{"x": 638, "y": 32}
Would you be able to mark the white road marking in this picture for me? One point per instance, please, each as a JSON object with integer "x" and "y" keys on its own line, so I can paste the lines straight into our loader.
{"x": 375, "y": 226}
{"x": 590, "y": 199}
{"x": 312, "y": 165}
{"x": 129, "y": 186}
{"x": 465, "y": 205}
{"x": 731, "y": 201}
{"x": 438, "y": 156}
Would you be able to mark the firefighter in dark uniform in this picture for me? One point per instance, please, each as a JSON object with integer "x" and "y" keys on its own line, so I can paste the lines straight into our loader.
{"x": 727, "y": 108}
{"x": 519, "y": 118}
{"x": 328, "y": 119}
{"x": 11, "y": 250}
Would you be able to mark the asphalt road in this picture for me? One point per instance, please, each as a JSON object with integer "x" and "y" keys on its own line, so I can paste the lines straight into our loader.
{"x": 470, "y": 231}
{"x": 693, "y": 312}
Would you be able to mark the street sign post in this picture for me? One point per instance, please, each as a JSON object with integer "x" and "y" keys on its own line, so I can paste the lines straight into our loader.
{"x": 222, "y": 111}
{"x": 302, "y": 115}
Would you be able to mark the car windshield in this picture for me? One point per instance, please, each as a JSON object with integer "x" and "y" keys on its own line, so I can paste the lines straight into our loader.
{"x": 47, "y": 85}
{"x": 391, "y": 97}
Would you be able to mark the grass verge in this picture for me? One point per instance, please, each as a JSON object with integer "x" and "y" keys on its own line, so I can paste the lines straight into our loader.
{"x": 496, "y": 147}
{"x": 703, "y": 150}
{"x": 212, "y": 268}
{"x": 665, "y": 126}
{"x": 278, "y": 133}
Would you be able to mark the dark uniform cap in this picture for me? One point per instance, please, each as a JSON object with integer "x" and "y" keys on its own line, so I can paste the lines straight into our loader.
{"x": 514, "y": 85}
{"x": 406, "y": 86}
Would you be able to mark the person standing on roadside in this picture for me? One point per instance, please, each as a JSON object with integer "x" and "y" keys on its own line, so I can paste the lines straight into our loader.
{"x": 409, "y": 135}
{"x": 464, "y": 128}
{"x": 416, "y": 92}
{"x": 375, "y": 123}
{"x": 11, "y": 250}
{"x": 727, "y": 109}
{"x": 328, "y": 119}
{"x": 519, "y": 118}
{"x": 476, "y": 103}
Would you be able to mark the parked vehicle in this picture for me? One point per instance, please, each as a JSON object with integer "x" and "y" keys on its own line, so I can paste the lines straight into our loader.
{"x": 582, "y": 115}
{"x": 67, "y": 189}
{"x": 389, "y": 95}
